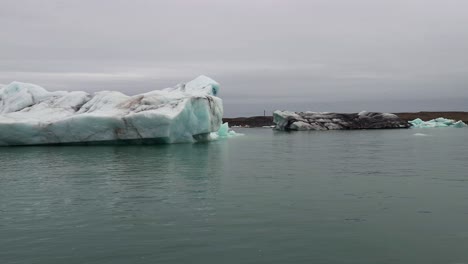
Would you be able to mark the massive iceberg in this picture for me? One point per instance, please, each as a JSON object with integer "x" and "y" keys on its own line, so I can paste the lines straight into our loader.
{"x": 438, "y": 122}
{"x": 286, "y": 120}
{"x": 31, "y": 115}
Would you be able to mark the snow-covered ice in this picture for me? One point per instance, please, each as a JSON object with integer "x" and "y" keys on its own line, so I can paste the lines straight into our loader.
{"x": 438, "y": 122}
{"x": 31, "y": 115}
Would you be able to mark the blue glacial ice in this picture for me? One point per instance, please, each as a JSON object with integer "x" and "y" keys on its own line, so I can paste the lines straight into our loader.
{"x": 438, "y": 122}
{"x": 31, "y": 115}
{"x": 224, "y": 132}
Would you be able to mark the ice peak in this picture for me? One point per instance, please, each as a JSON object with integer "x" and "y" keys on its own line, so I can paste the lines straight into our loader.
{"x": 204, "y": 84}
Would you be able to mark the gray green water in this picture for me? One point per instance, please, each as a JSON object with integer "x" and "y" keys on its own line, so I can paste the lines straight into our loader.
{"x": 308, "y": 197}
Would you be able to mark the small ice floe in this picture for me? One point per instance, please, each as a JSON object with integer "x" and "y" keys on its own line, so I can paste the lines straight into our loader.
{"x": 438, "y": 122}
{"x": 420, "y": 135}
{"x": 224, "y": 132}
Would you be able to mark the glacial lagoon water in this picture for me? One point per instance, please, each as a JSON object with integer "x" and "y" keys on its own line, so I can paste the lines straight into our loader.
{"x": 386, "y": 196}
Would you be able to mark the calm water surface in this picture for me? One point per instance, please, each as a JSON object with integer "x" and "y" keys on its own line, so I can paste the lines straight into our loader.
{"x": 383, "y": 196}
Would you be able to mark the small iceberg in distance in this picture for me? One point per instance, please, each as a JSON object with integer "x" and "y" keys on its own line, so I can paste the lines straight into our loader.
{"x": 31, "y": 115}
{"x": 438, "y": 122}
{"x": 287, "y": 121}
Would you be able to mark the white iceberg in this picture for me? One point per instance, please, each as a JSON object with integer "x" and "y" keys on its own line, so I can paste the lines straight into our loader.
{"x": 31, "y": 115}
{"x": 438, "y": 122}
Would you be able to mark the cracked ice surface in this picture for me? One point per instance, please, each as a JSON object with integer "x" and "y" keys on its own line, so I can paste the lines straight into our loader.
{"x": 31, "y": 115}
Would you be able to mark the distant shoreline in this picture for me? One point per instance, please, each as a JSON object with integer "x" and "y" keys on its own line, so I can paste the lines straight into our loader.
{"x": 260, "y": 121}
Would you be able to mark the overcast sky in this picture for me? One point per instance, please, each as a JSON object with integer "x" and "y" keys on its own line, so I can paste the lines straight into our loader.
{"x": 321, "y": 55}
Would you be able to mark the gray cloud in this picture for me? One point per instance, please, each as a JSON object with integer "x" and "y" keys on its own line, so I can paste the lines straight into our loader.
{"x": 329, "y": 55}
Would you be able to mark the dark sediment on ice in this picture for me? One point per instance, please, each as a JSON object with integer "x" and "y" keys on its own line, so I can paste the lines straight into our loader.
{"x": 287, "y": 121}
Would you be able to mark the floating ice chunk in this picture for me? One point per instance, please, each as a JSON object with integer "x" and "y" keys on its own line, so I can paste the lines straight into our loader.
{"x": 420, "y": 135}
{"x": 224, "y": 132}
{"x": 438, "y": 122}
{"x": 31, "y": 115}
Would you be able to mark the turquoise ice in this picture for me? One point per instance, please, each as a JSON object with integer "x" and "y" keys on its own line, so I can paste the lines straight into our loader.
{"x": 438, "y": 122}
{"x": 224, "y": 132}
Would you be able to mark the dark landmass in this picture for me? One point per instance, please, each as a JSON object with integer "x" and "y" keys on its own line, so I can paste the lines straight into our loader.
{"x": 260, "y": 121}
{"x": 254, "y": 121}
